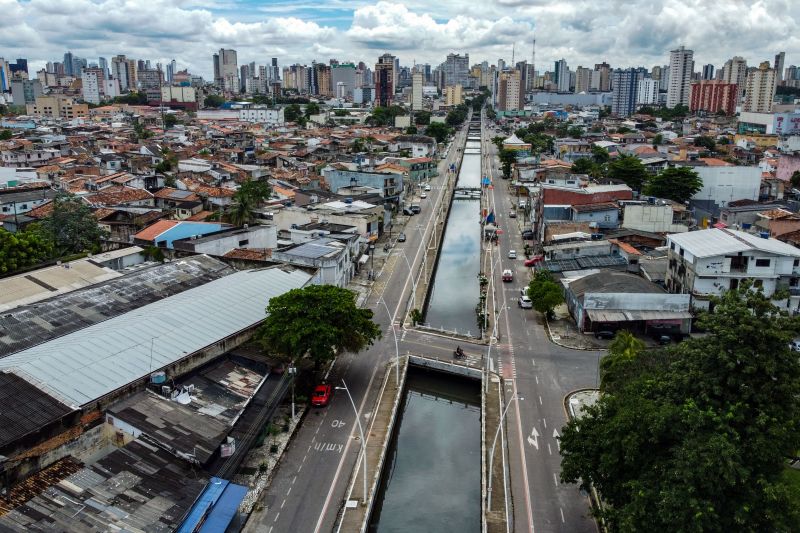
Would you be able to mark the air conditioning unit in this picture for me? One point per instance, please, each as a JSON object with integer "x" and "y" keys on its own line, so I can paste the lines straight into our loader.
{"x": 166, "y": 390}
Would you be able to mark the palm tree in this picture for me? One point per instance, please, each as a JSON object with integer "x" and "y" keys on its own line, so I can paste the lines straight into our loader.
{"x": 241, "y": 212}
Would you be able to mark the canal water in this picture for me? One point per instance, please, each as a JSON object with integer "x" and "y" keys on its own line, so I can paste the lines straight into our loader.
{"x": 431, "y": 479}
{"x": 455, "y": 290}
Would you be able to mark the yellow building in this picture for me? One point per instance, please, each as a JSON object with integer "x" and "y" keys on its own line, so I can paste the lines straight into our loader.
{"x": 453, "y": 95}
{"x": 57, "y": 106}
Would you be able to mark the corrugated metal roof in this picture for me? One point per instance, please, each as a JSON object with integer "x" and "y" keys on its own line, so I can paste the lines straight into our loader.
{"x": 713, "y": 242}
{"x": 87, "y": 364}
{"x": 625, "y": 316}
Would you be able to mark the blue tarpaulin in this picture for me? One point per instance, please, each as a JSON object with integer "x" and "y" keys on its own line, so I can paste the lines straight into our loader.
{"x": 225, "y": 509}
{"x": 204, "y": 506}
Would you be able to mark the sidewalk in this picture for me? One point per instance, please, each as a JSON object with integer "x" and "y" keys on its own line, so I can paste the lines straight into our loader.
{"x": 564, "y": 332}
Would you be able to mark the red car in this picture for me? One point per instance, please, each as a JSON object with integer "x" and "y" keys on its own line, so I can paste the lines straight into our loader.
{"x": 533, "y": 260}
{"x": 321, "y": 395}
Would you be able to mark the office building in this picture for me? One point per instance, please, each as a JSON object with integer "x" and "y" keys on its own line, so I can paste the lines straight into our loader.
{"x": 226, "y": 70}
{"x": 344, "y": 73}
{"x": 509, "y": 91}
{"x": 92, "y": 85}
{"x": 778, "y": 66}
{"x": 124, "y": 70}
{"x": 760, "y": 91}
{"x": 102, "y": 62}
{"x": 384, "y": 80}
{"x": 681, "y": 67}
{"x": 625, "y": 85}
{"x": 708, "y": 72}
{"x": 25, "y": 91}
{"x": 274, "y": 71}
{"x": 456, "y": 70}
{"x": 713, "y": 96}
{"x": 647, "y": 91}
{"x": 562, "y": 77}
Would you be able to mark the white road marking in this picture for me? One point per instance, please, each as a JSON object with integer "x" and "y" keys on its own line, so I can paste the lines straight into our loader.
{"x": 276, "y": 517}
{"x": 549, "y": 449}
{"x": 562, "y": 515}
{"x": 540, "y": 402}
{"x": 301, "y": 467}
{"x": 544, "y": 421}
{"x": 537, "y": 379}
{"x": 294, "y": 479}
{"x": 555, "y": 479}
{"x": 290, "y": 491}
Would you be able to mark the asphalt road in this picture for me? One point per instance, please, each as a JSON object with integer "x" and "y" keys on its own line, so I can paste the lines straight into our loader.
{"x": 541, "y": 374}
{"x": 308, "y": 487}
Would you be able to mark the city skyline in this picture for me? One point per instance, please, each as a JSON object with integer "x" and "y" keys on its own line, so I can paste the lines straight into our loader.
{"x": 412, "y": 31}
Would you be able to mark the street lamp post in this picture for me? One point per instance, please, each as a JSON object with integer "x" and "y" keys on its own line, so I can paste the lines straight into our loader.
{"x": 372, "y": 261}
{"x": 491, "y": 452}
{"x": 361, "y": 433}
{"x": 292, "y": 372}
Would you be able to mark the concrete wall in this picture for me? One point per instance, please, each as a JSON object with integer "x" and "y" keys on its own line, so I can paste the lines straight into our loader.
{"x": 652, "y": 218}
{"x": 725, "y": 184}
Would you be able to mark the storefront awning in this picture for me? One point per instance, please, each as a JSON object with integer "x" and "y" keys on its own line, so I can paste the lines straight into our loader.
{"x": 603, "y": 315}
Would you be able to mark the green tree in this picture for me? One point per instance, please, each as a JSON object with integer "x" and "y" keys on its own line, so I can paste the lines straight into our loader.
{"x": 586, "y": 165}
{"x": 384, "y": 116}
{"x": 658, "y": 140}
{"x": 170, "y": 120}
{"x": 498, "y": 141}
{"x": 678, "y": 184}
{"x": 507, "y": 159}
{"x": 457, "y": 116}
{"x": 629, "y": 169}
{"x": 795, "y": 179}
{"x": 246, "y": 198}
{"x": 312, "y": 109}
{"x": 545, "y": 293}
{"x": 22, "y": 249}
{"x": 705, "y": 142}
{"x": 575, "y": 132}
{"x": 623, "y": 352}
{"x": 317, "y": 322}
{"x": 600, "y": 155}
{"x": 70, "y": 228}
{"x": 540, "y": 142}
{"x": 5, "y": 135}
{"x": 695, "y": 437}
{"x": 213, "y": 100}
{"x": 294, "y": 113}
{"x": 422, "y": 118}
{"x": 438, "y": 131}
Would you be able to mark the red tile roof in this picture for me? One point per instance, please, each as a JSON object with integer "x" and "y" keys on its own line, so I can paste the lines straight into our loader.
{"x": 151, "y": 232}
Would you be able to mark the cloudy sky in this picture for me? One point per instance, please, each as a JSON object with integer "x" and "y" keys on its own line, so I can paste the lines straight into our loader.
{"x": 621, "y": 32}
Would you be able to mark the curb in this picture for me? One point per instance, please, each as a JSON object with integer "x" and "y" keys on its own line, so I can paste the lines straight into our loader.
{"x": 550, "y": 336}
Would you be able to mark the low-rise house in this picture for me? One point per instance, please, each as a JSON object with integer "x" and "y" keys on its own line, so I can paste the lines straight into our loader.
{"x": 259, "y": 236}
{"x": 164, "y": 232}
{"x": 611, "y": 300}
{"x": 709, "y": 262}
{"x": 655, "y": 216}
{"x": 333, "y": 259}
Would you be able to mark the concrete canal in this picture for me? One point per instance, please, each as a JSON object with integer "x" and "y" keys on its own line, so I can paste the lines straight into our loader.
{"x": 431, "y": 479}
{"x": 455, "y": 289}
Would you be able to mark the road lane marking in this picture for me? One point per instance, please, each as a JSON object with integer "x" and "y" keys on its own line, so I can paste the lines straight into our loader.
{"x": 328, "y": 447}
{"x": 294, "y": 479}
{"x": 305, "y": 456}
{"x": 301, "y": 466}
{"x": 283, "y": 502}
{"x": 555, "y": 479}
{"x": 537, "y": 379}
{"x": 540, "y": 400}
{"x": 562, "y": 515}
{"x": 544, "y": 421}
{"x": 533, "y": 438}
{"x": 276, "y": 517}
{"x": 290, "y": 491}
{"x": 549, "y": 449}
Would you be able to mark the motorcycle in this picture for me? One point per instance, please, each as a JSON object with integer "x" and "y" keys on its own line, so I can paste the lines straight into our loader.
{"x": 459, "y": 354}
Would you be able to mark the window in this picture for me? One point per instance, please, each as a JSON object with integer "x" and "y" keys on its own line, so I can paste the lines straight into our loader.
{"x": 244, "y": 242}
{"x": 672, "y": 246}
{"x": 797, "y": 262}
{"x": 762, "y": 262}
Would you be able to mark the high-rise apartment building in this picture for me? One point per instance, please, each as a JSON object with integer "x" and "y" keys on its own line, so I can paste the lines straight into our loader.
{"x": 68, "y": 57}
{"x": 384, "y": 80}
{"x": 647, "y": 91}
{"x": 226, "y": 70}
{"x": 681, "y": 66}
{"x": 562, "y": 77}
{"x": 5, "y": 76}
{"x": 416, "y": 91}
{"x": 760, "y": 91}
{"x": 124, "y": 70}
{"x": 456, "y": 70}
{"x": 102, "y": 63}
{"x": 583, "y": 80}
{"x": 509, "y": 91}
{"x": 604, "y": 84}
{"x": 735, "y": 71}
{"x": 453, "y": 95}
{"x": 778, "y": 66}
{"x": 713, "y": 96}
{"x": 625, "y": 83}
{"x": 274, "y": 71}
{"x": 708, "y": 72}
{"x": 93, "y": 85}
{"x": 25, "y": 91}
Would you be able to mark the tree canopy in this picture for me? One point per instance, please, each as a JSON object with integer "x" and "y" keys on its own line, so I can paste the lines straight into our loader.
{"x": 384, "y": 116}
{"x": 457, "y": 115}
{"x": 22, "y": 249}
{"x": 312, "y": 108}
{"x": 5, "y": 135}
{"x": 422, "y": 118}
{"x": 213, "y": 100}
{"x": 438, "y": 131}
{"x": 70, "y": 228}
{"x": 678, "y": 184}
{"x": 507, "y": 159}
{"x": 317, "y": 322}
{"x": 695, "y": 437}
{"x": 629, "y": 169}
{"x": 545, "y": 293}
{"x": 706, "y": 142}
{"x": 294, "y": 113}
{"x": 249, "y": 195}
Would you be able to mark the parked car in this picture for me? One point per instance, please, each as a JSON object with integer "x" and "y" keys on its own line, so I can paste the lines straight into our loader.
{"x": 408, "y": 211}
{"x": 512, "y": 254}
{"x": 605, "y": 334}
{"x": 321, "y": 395}
{"x": 508, "y": 275}
{"x": 427, "y": 187}
{"x": 512, "y": 214}
{"x": 416, "y": 209}
{"x": 423, "y": 195}
{"x": 533, "y": 260}
{"x": 401, "y": 237}
{"x": 525, "y": 302}
{"x": 527, "y": 235}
